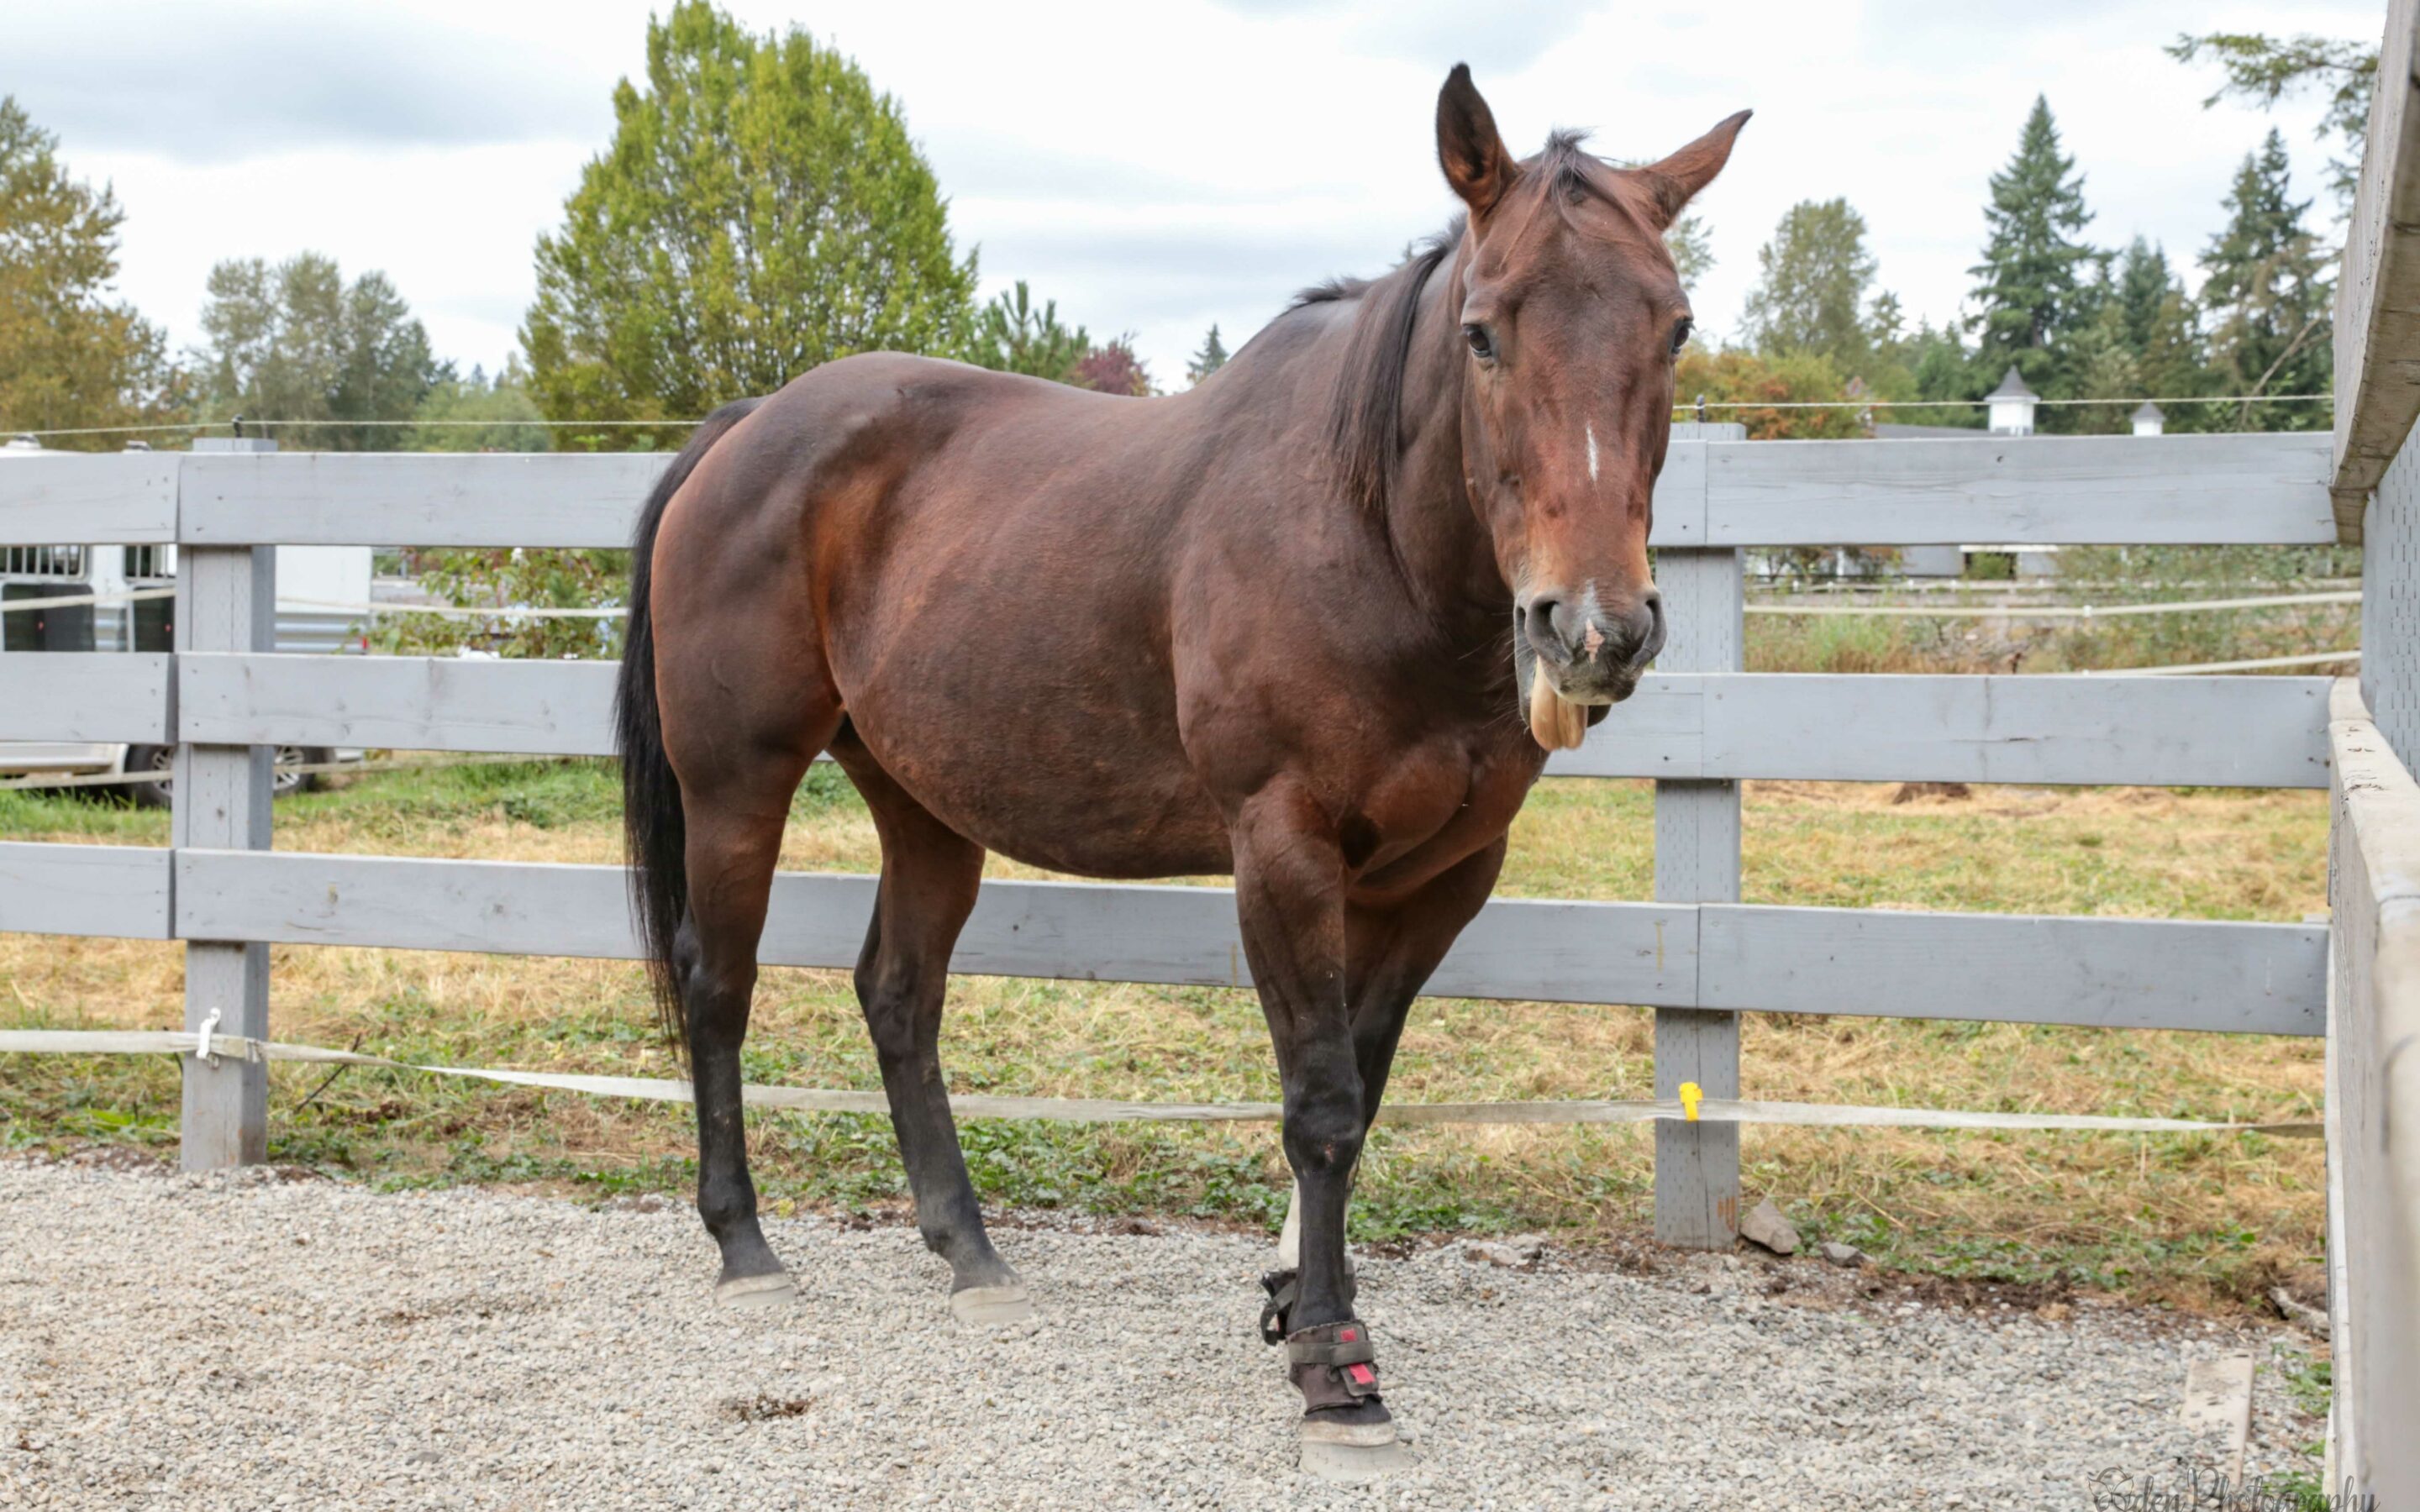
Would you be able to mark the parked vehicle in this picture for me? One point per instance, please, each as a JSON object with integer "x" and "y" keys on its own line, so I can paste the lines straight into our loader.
{"x": 137, "y": 613}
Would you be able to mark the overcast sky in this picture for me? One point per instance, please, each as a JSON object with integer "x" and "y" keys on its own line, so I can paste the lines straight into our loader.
{"x": 1153, "y": 167}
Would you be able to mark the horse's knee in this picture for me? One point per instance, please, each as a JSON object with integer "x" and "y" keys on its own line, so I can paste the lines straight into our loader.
{"x": 1324, "y": 1132}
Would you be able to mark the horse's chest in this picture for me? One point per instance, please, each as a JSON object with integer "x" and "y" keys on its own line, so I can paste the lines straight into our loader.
{"x": 1424, "y": 814}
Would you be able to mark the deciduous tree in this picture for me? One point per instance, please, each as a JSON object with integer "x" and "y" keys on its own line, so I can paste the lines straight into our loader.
{"x": 761, "y": 210}
{"x": 294, "y": 341}
{"x": 72, "y": 354}
{"x": 1810, "y": 296}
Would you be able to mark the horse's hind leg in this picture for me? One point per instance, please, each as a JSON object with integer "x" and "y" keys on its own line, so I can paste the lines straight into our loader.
{"x": 930, "y": 876}
{"x": 734, "y": 843}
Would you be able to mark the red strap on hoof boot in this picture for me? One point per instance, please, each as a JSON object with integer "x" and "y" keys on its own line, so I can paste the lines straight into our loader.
{"x": 1333, "y": 1364}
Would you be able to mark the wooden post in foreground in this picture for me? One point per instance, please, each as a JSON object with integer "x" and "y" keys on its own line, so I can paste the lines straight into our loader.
{"x": 226, "y": 600}
{"x": 1697, "y": 860}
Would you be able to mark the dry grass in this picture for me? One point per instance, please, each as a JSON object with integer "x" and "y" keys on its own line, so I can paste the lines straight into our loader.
{"x": 2191, "y": 1219}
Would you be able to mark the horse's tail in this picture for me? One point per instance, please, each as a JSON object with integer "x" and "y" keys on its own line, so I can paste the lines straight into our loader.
{"x": 654, "y": 832}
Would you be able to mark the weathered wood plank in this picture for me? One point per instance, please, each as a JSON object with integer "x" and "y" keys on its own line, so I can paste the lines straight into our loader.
{"x": 2373, "y": 1110}
{"x": 113, "y": 499}
{"x": 2035, "y": 489}
{"x": 388, "y": 498}
{"x": 2228, "y": 731}
{"x": 563, "y": 708}
{"x": 227, "y": 601}
{"x": 2014, "y": 968}
{"x": 2204, "y": 732}
{"x": 2170, "y": 732}
{"x": 83, "y": 696}
{"x": 2041, "y": 489}
{"x": 1697, "y": 860}
{"x": 1536, "y": 950}
{"x": 2377, "y": 330}
{"x": 116, "y": 891}
{"x": 1681, "y": 487}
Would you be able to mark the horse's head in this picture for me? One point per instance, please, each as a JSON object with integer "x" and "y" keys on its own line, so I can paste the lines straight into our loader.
{"x": 1573, "y": 315}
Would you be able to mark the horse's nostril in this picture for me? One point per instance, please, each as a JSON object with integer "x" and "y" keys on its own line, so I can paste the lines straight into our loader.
{"x": 1538, "y": 624}
{"x": 1650, "y": 634}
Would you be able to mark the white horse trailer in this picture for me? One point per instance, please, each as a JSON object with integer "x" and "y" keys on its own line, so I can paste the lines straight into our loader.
{"x": 118, "y": 599}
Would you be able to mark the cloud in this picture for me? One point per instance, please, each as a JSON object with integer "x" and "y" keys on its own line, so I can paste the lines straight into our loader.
{"x": 224, "y": 84}
{"x": 1510, "y": 36}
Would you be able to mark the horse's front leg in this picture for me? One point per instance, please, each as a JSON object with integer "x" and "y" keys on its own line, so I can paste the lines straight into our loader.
{"x": 1290, "y": 902}
{"x": 1391, "y": 953}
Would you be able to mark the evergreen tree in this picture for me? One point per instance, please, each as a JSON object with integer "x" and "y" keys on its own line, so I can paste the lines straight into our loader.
{"x": 2263, "y": 70}
{"x": 1011, "y": 335}
{"x": 70, "y": 355}
{"x": 2266, "y": 298}
{"x": 296, "y": 343}
{"x": 1811, "y": 295}
{"x": 762, "y": 209}
{"x": 2157, "y": 324}
{"x": 1212, "y": 357}
{"x": 2032, "y": 285}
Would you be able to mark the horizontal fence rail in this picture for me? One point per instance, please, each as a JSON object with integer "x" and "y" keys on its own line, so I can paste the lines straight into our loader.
{"x": 2248, "y": 490}
{"x": 2218, "y": 732}
{"x": 114, "y": 891}
{"x": 2111, "y": 973}
{"x": 121, "y": 499}
{"x": 88, "y": 696}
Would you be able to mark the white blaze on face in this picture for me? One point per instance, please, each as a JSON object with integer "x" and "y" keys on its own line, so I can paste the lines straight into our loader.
{"x": 1590, "y": 428}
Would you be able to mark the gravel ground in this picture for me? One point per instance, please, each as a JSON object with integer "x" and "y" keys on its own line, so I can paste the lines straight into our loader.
{"x": 255, "y": 1341}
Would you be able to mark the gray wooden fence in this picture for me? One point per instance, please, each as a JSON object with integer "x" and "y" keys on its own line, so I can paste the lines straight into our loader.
{"x": 1695, "y": 953}
{"x": 2373, "y": 1073}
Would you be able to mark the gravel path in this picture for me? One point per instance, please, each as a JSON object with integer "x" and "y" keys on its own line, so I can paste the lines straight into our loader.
{"x": 253, "y": 1341}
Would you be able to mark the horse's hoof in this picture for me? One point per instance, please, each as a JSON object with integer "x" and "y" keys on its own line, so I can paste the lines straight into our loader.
{"x": 1351, "y": 1452}
{"x": 989, "y": 1306}
{"x": 772, "y": 1290}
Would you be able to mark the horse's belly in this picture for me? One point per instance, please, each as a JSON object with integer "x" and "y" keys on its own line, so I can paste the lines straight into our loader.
{"x": 1062, "y": 793}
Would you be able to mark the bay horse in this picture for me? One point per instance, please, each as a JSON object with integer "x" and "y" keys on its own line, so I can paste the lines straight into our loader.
{"x": 1316, "y": 622}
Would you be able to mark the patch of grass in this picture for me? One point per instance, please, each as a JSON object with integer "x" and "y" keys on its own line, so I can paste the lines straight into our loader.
{"x": 2192, "y": 1220}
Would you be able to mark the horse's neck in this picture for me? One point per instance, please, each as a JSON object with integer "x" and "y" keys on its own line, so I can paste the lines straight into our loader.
{"x": 1448, "y": 559}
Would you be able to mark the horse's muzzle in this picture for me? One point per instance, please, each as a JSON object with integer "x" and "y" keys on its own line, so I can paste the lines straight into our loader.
{"x": 1596, "y": 654}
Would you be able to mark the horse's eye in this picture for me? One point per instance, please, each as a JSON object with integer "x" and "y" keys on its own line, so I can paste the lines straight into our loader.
{"x": 1483, "y": 346}
{"x": 1681, "y": 335}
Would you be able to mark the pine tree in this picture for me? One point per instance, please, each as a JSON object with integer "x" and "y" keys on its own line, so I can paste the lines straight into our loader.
{"x": 1012, "y": 335}
{"x": 1212, "y": 357}
{"x": 2157, "y": 324}
{"x": 2267, "y": 297}
{"x": 2032, "y": 284}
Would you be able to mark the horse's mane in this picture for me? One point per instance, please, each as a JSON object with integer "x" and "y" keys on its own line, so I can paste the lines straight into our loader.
{"x": 1365, "y": 424}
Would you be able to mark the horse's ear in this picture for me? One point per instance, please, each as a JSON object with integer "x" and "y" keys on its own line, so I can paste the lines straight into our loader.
{"x": 1676, "y": 181}
{"x": 1472, "y": 155}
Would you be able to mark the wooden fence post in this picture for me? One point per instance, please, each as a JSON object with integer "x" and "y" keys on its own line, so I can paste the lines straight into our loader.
{"x": 226, "y": 600}
{"x": 1697, "y": 860}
